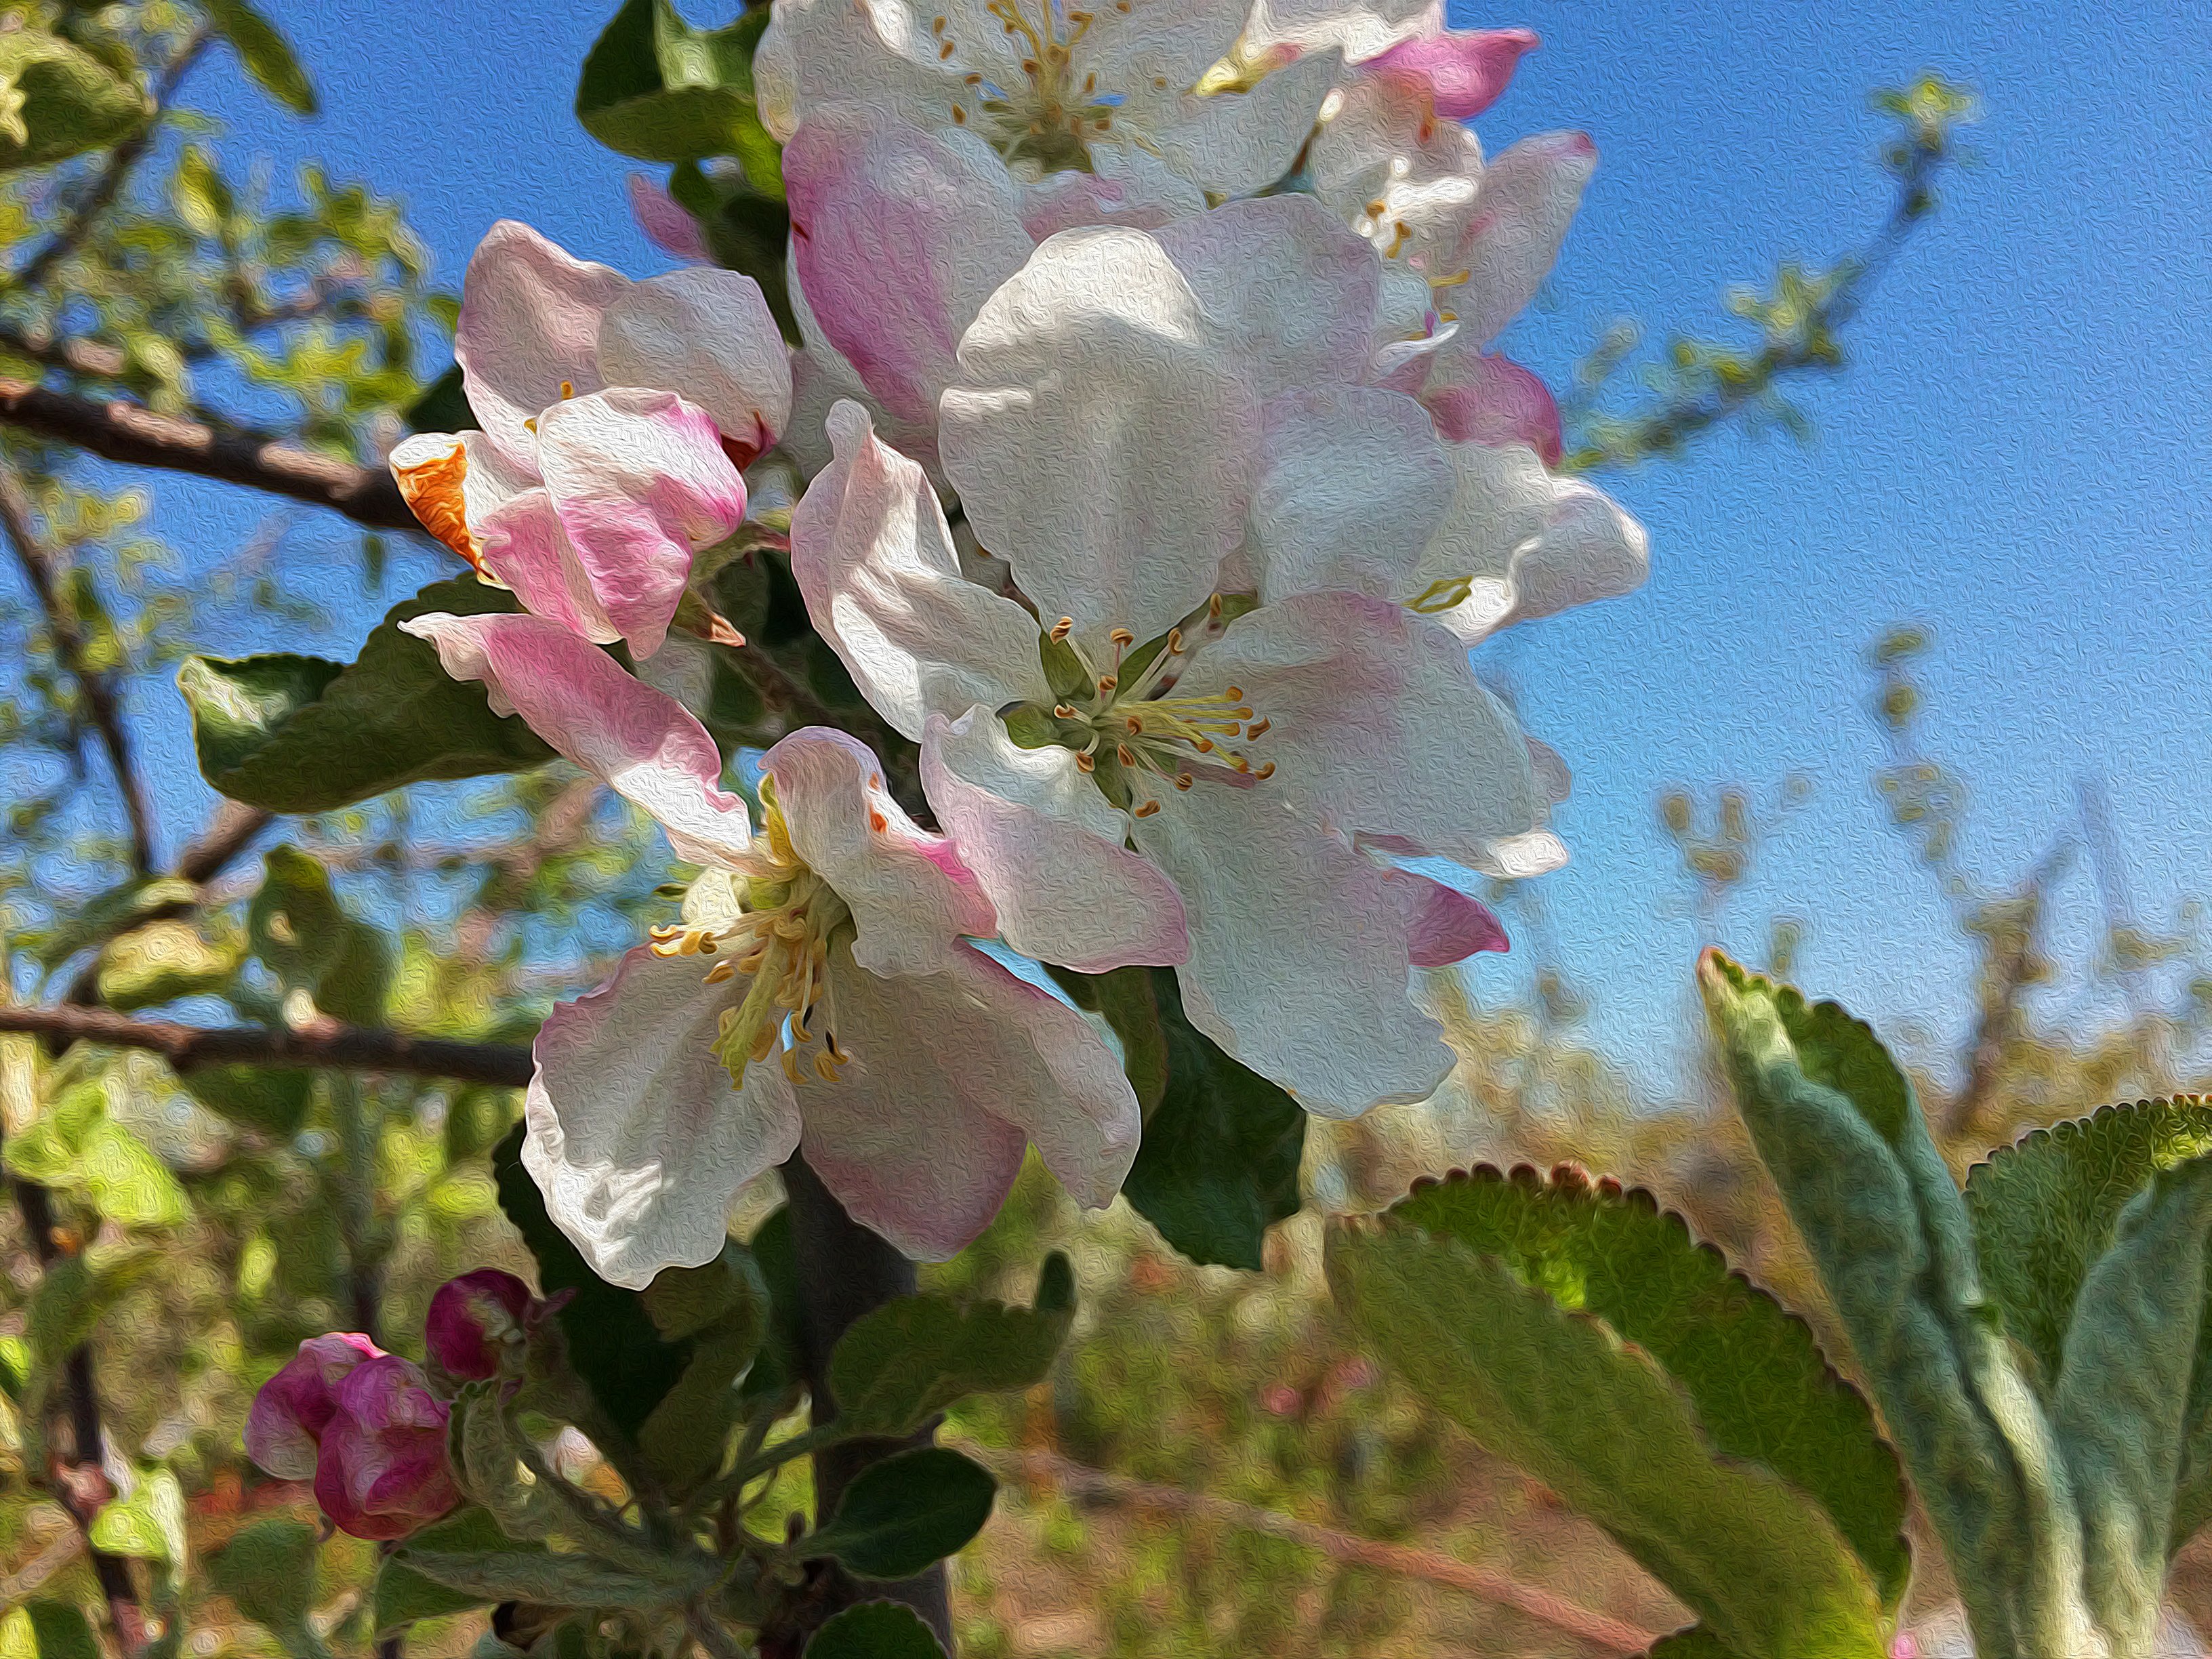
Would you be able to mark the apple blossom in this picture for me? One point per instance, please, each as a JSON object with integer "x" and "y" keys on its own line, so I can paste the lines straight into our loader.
{"x": 1049, "y": 87}
{"x": 290, "y": 1410}
{"x": 615, "y": 418}
{"x": 381, "y": 1471}
{"x": 473, "y": 1319}
{"x": 820, "y": 992}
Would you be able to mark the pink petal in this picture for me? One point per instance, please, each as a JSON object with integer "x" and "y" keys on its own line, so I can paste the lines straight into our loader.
{"x": 708, "y": 335}
{"x": 666, "y": 225}
{"x": 293, "y": 1408}
{"x": 382, "y": 1472}
{"x": 528, "y": 329}
{"x": 898, "y": 238}
{"x": 1476, "y": 397}
{"x": 524, "y": 547}
{"x": 642, "y": 742}
{"x": 1443, "y": 925}
{"x": 638, "y": 480}
{"x": 910, "y": 895}
{"x": 1463, "y": 71}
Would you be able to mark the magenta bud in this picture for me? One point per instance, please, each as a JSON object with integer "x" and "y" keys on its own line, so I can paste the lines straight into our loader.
{"x": 382, "y": 1472}
{"x": 293, "y": 1406}
{"x": 475, "y": 1318}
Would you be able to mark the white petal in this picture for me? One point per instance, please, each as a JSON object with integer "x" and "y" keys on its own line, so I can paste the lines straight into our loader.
{"x": 1360, "y": 30}
{"x": 708, "y": 336}
{"x": 910, "y": 896}
{"x": 1048, "y": 847}
{"x": 1522, "y": 215}
{"x": 1353, "y": 486}
{"x": 1518, "y": 858}
{"x": 1102, "y": 444}
{"x": 633, "y": 1132}
{"x": 1378, "y": 724}
{"x": 870, "y": 51}
{"x": 1126, "y": 187}
{"x": 1233, "y": 143}
{"x": 872, "y": 554}
{"x": 1299, "y": 965}
{"x": 528, "y": 329}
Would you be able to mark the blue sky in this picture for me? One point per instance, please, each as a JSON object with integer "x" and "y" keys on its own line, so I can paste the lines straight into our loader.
{"x": 2017, "y": 455}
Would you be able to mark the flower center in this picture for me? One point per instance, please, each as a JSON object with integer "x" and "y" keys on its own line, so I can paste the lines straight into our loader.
{"x": 1052, "y": 119}
{"x": 787, "y": 921}
{"x": 1133, "y": 733}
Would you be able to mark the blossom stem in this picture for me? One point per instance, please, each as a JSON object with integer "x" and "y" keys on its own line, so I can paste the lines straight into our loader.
{"x": 844, "y": 1271}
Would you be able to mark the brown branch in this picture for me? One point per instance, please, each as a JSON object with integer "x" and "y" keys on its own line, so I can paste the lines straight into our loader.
{"x": 1048, "y": 1469}
{"x": 326, "y": 1043}
{"x": 71, "y": 647}
{"x": 137, "y": 436}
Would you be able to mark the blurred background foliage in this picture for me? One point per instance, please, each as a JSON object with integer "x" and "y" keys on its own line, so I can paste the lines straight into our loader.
{"x": 1213, "y": 1469}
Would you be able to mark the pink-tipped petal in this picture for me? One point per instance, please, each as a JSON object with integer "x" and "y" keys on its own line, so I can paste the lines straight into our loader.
{"x": 898, "y": 237}
{"x": 642, "y": 742}
{"x": 1461, "y": 71}
{"x": 665, "y": 223}
{"x": 293, "y": 1408}
{"x": 638, "y": 480}
{"x": 1477, "y": 396}
{"x": 524, "y": 548}
{"x": 910, "y": 895}
{"x": 1443, "y": 925}
{"x": 708, "y": 335}
{"x": 528, "y": 329}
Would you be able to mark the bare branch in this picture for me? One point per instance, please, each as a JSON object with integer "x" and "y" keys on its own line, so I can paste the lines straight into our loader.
{"x": 71, "y": 647}
{"x": 138, "y": 437}
{"x": 326, "y": 1043}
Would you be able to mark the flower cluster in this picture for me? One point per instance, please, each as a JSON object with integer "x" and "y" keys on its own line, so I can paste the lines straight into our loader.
{"x": 367, "y": 1427}
{"x": 1158, "y": 475}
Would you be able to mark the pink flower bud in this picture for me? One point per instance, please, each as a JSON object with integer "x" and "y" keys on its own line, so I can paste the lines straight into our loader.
{"x": 382, "y": 1470}
{"x": 474, "y": 1319}
{"x": 293, "y": 1406}
{"x": 1462, "y": 70}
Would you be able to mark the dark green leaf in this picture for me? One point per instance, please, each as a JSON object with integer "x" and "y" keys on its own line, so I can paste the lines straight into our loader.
{"x": 1761, "y": 1388}
{"x": 392, "y": 718}
{"x": 723, "y": 1308}
{"x": 776, "y": 1367}
{"x": 443, "y": 406}
{"x": 1126, "y": 1000}
{"x": 403, "y": 1595}
{"x": 611, "y": 1340}
{"x": 295, "y": 922}
{"x": 901, "y": 1515}
{"x": 268, "y": 1570}
{"x": 268, "y": 56}
{"x": 1560, "y": 1394}
{"x": 535, "y": 1576}
{"x": 900, "y": 1364}
{"x": 875, "y": 1630}
{"x": 272, "y": 1103}
{"x": 654, "y": 87}
{"x": 58, "y": 101}
{"x": 1220, "y": 1161}
{"x": 59, "y": 1631}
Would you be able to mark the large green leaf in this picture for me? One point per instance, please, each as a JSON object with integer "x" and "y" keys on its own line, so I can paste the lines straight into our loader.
{"x": 1219, "y": 1164}
{"x": 898, "y": 1366}
{"x": 1125, "y": 999}
{"x": 654, "y": 87}
{"x": 901, "y": 1514}
{"x": 612, "y": 1340}
{"x": 294, "y": 734}
{"x": 268, "y": 1570}
{"x": 2043, "y": 1209}
{"x": 1835, "y": 1122}
{"x": 1761, "y": 1387}
{"x": 58, "y": 101}
{"x": 267, "y": 56}
{"x": 875, "y": 1630}
{"x": 403, "y": 1595}
{"x": 1558, "y": 1393}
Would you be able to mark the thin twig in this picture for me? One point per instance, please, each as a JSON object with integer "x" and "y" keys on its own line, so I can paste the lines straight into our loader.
{"x": 137, "y": 436}
{"x": 72, "y": 650}
{"x": 326, "y": 1043}
{"x": 1598, "y": 1630}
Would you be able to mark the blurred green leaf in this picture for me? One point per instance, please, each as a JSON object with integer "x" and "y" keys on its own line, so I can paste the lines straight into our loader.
{"x": 58, "y": 101}
{"x": 1560, "y": 1394}
{"x": 268, "y": 1570}
{"x": 875, "y": 1630}
{"x": 148, "y": 1524}
{"x": 1219, "y": 1164}
{"x": 267, "y": 56}
{"x": 273, "y": 1103}
{"x": 74, "y": 1146}
{"x": 1125, "y": 999}
{"x": 443, "y": 405}
{"x": 776, "y": 1366}
{"x": 901, "y": 1514}
{"x": 1761, "y": 1388}
{"x": 161, "y": 962}
{"x": 403, "y": 1595}
{"x": 295, "y": 922}
{"x": 898, "y": 1366}
{"x": 654, "y": 87}
{"x": 284, "y": 734}
{"x": 45, "y": 1629}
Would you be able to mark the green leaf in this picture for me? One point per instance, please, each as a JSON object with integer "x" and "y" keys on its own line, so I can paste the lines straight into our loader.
{"x": 724, "y": 1308}
{"x": 1560, "y": 1394}
{"x": 1835, "y": 1122}
{"x": 114, "y": 912}
{"x": 482, "y": 1446}
{"x": 1219, "y": 1164}
{"x": 149, "y": 1524}
{"x": 267, "y": 56}
{"x": 270, "y": 1103}
{"x": 898, "y": 1366}
{"x": 2120, "y": 1407}
{"x": 48, "y": 1630}
{"x": 392, "y": 718}
{"x": 443, "y": 405}
{"x": 536, "y": 1576}
{"x": 74, "y": 1145}
{"x": 875, "y": 1630}
{"x": 1761, "y": 1387}
{"x": 268, "y": 1570}
{"x": 776, "y": 1366}
{"x": 161, "y": 962}
{"x": 899, "y": 1516}
{"x": 684, "y": 1301}
{"x": 58, "y": 101}
{"x": 654, "y": 87}
{"x": 403, "y": 1595}
{"x": 611, "y": 1340}
{"x": 295, "y": 922}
